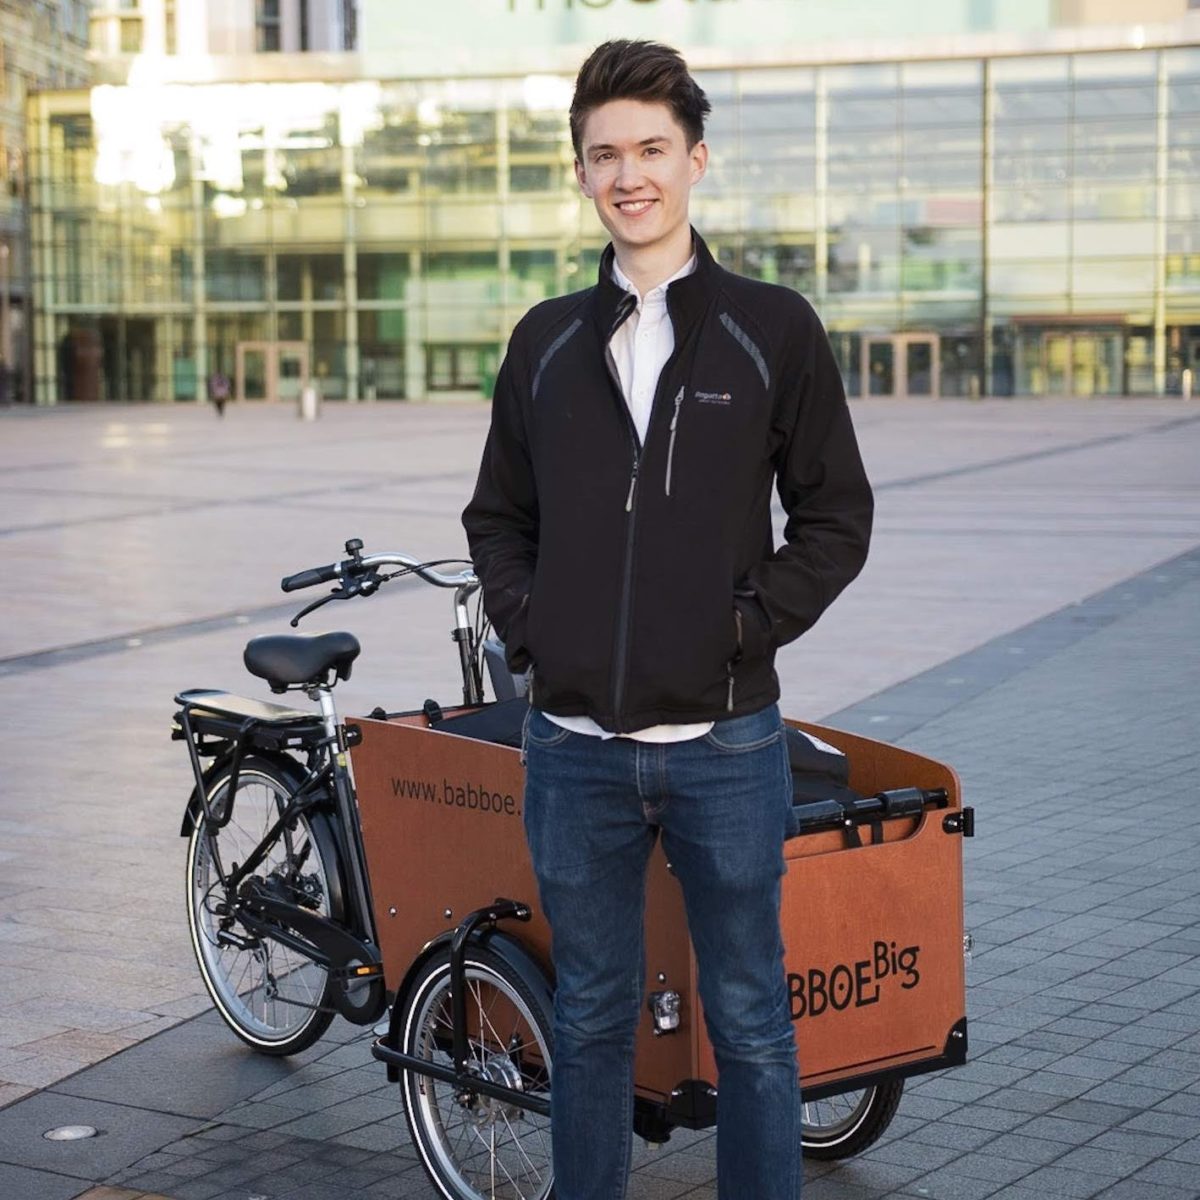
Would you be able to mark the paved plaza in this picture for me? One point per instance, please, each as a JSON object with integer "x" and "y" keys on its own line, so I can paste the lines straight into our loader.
{"x": 1030, "y": 613}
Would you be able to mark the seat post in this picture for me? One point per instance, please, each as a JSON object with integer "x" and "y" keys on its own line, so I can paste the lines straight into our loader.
{"x": 323, "y": 695}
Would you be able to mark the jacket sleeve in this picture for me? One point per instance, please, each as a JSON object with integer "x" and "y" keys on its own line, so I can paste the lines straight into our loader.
{"x": 825, "y": 494}
{"x": 501, "y": 520}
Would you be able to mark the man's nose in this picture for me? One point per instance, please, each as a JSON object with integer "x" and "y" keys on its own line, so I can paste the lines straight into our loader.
{"x": 629, "y": 174}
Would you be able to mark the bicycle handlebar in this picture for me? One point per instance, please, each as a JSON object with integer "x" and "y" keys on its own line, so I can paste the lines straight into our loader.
{"x": 465, "y": 578}
{"x": 366, "y": 564}
{"x": 310, "y": 578}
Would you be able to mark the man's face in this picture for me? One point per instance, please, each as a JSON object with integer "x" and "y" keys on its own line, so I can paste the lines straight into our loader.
{"x": 638, "y": 171}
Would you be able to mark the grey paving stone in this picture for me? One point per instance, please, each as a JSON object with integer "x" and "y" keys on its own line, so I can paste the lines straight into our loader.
{"x": 28, "y": 1184}
{"x": 1061, "y": 1182}
{"x": 1141, "y": 1189}
{"x": 196, "y": 1069}
{"x": 1171, "y": 1173}
{"x": 129, "y": 1134}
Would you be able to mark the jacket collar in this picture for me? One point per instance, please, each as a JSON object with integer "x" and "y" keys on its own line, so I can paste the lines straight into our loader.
{"x": 687, "y": 298}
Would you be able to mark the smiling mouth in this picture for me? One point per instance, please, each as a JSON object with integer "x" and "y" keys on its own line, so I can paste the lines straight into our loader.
{"x": 632, "y": 208}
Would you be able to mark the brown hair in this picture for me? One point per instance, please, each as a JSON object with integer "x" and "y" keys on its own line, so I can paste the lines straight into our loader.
{"x": 638, "y": 70}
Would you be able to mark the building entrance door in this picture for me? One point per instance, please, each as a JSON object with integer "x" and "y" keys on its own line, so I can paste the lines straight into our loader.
{"x": 1070, "y": 362}
{"x": 271, "y": 370}
{"x": 900, "y": 365}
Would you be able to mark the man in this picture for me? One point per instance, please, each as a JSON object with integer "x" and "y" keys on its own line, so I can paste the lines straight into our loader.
{"x": 621, "y": 526}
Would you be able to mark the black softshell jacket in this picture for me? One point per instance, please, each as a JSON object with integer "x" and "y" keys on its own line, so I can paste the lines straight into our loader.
{"x": 642, "y": 581}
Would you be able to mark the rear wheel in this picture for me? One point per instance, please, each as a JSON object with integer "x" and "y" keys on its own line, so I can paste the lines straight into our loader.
{"x": 846, "y": 1124}
{"x": 474, "y": 1147}
{"x": 271, "y": 996}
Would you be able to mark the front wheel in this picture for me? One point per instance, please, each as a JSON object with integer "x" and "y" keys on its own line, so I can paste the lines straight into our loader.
{"x": 474, "y": 1147}
{"x": 846, "y": 1124}
{"x": 274, "y": 998}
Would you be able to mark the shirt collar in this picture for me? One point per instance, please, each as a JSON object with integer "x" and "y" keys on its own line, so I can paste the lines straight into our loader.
{"x": 655, "y": 293}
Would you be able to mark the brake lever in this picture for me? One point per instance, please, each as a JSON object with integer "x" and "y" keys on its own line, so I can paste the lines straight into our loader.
{"x": 364, "y": 585}
{"x": 337, "y": 594}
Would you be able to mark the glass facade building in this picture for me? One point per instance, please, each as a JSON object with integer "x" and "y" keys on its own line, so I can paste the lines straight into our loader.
{"x": 975, "y": 222}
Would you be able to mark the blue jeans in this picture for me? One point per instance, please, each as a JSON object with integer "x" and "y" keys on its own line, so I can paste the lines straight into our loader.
{"x": 722, "y": 803}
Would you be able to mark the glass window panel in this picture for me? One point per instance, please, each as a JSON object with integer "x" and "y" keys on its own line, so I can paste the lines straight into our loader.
{"x": 382, "y": 355}
{"x": 462, "y": 264}
{"x": 963, "y": 171}
{"x": 941, "y": 259}
{"x": 947, "y": 141}
{"x": 1018, "y": 73}
{"x": 1132, "y": 133}
{"x": 1122, "y": 68}
{"x": 941, "y": 109}
{"x": 1113, "y": 277}
{"x": 774, "y": 100}
{"x": 778, "y": 162}
{"x": 1183, "y": 201}
{"x": 1183, "y": 96}
{"x": 1110, "y": 102}
{"x": 538, "y": 265}
{"x": 383, "y": 276}
{"x": 1102, "y": 239}
{"x": 1115, "y": 164}
{"x": 290, "y": 326}
{"x": 1183, "y": 132}
{"x": 1030, "y": 105}
{"x": 1043, "y": 137}
{"x": 1183, "y": 271}
{"x": 235, "y": 275}
{"x": 956, "y": 209}
{"x": 1183, "y": 237}
{"x": 225, "y": 331}
{"x": 310, "y": 276}
{"x": 1034, "y": 278}
{"x": 1020, "y": 241}
{"x": 793, "y": 266}
{"x": 460, "y": 150}
{"x": 1113, "y": 201}
{"x": 864, "y": 260}
{"x": 862, "y": 97}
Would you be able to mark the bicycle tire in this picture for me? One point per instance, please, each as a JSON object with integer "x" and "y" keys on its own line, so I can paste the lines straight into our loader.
{"x": 480, "y": 1148}
{"x": 272, "y": 997}
{"x": 846, "y": 1124}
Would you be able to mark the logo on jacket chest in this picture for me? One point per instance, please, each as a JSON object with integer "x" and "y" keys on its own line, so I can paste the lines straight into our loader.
{"x": 722, "y": 399}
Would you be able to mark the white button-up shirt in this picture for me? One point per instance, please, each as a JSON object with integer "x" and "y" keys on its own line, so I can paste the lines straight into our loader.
{"x": 641, "y": 347}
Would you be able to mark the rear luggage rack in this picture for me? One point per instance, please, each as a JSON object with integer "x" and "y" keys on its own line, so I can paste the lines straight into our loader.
{"x": 222, "y": 718}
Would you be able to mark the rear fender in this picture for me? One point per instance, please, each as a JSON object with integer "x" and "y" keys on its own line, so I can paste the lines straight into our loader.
{"x": 319, "y": 821}
{"x": 510, "y": 949}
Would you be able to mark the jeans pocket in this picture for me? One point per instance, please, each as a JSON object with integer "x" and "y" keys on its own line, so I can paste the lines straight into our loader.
{"x": 740, "y": 735}
{"x": 541, "y": 731}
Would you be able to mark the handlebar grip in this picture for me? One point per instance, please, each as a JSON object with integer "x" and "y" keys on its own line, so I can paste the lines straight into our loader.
{"x": 309, "y": 578}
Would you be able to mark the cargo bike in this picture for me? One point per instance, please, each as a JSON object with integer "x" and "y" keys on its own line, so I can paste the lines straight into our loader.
{"x": 376, "y": 867}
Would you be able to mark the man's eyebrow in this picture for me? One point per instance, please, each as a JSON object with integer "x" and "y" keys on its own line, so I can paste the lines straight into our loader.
{"x": 650, "y": 141}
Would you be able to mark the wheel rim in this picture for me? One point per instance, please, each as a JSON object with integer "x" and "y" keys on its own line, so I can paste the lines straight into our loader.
{"x": 834, "y": 1118}
{"x": 488, "y": 1148}
{"x": 262, "y": 991}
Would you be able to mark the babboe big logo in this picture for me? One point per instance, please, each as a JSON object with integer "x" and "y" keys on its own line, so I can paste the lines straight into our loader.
{"x": 856, "y": 984}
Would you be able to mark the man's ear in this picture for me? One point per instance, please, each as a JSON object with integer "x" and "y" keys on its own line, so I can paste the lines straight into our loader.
{"x": 699, "y": 156}
{"x": 581, "y": 179}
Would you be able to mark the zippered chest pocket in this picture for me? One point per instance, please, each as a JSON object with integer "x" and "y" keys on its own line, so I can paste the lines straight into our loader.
{"x": 674, "y": 431}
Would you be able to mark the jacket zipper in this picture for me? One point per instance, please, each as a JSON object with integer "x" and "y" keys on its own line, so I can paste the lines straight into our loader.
{"x": 671, "y": 446}
{"x": 630, "y": 500}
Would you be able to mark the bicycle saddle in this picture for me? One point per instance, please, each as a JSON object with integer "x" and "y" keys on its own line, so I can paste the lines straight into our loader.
{"x": 283, "y": 659}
